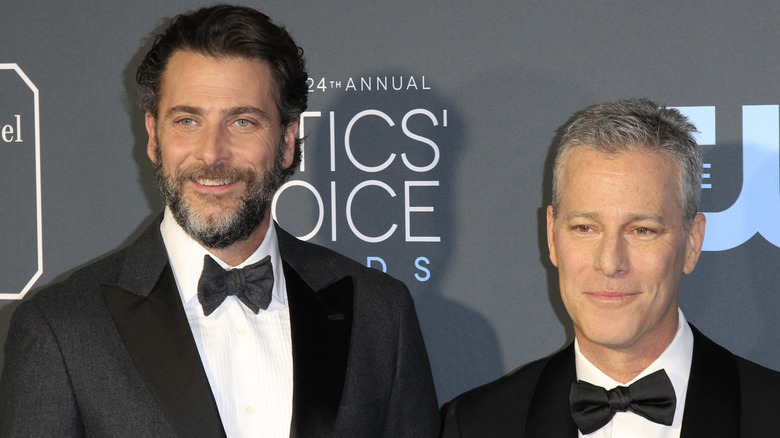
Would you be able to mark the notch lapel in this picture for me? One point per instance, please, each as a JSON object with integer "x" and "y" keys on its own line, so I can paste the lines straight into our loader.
{"x": 157, "y": 335}
{"x": 321, "y": 326}
{"x": 549, "y": 414}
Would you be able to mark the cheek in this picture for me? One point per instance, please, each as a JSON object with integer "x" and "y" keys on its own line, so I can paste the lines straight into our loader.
{"x": 572, "y": 274}
{"x": 572, "y": 258}
{"x": 259, "y": 153}
{"x": 172, "y": 159}
{"x": 258, "y": 162}
{"x": 173, "y": 149}
{"x": 660, "y": 264}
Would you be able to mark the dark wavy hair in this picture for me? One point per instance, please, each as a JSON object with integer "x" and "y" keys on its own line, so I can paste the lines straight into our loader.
{"x": 230, "y": 31}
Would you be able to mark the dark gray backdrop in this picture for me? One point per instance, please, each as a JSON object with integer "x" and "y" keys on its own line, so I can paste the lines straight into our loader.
{"x": 480, "y": 89}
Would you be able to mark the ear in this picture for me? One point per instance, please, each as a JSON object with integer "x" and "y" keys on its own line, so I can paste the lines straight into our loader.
{"x": 290, "y": 134}
{"x": 695, "y": 242}
{"x": 151, "y": 125}
{"x": 551, "y": 236}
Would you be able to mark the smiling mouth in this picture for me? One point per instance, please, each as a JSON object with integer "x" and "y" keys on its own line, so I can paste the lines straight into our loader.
{"x": 612, "y": 297}
{"x": 214, "y": 182}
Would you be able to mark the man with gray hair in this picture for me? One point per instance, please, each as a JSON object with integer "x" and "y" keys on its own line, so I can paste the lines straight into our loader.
{"x": 622, "y": 229}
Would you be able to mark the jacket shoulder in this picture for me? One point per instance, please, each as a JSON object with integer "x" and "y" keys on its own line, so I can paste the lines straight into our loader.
{"x": 134, "y": 267}
{"x": 745, "y": 393}
{"x": 759, "y": 398}
{"x": 321, "y": 265}
{"x": 500, "y": 406}
{"x": 78, "y": 297}
{"x": 82, "y": 284}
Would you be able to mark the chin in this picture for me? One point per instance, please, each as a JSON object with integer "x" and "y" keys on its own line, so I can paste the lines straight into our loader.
{"x": 214, "y": 212}
{"x": 609, "y": 335}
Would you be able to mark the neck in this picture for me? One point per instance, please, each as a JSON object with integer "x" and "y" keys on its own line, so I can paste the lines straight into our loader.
{"x": 624, "y": 363}
{"x": 238, "y": 252}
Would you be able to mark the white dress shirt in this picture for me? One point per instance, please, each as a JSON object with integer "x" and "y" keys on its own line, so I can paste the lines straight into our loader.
{"x": 247, "y": 357}
{"x": 675, "y": 360}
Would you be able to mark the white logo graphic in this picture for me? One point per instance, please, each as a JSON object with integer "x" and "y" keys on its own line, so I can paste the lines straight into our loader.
{"x": 381, "y": 187}
{"x": 757, "y": 208}
{"x": 16, "y": 131}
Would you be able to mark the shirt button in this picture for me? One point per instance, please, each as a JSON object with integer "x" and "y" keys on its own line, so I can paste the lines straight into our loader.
{"x": 249, "y": 410}
{"x": 241, "y": 331}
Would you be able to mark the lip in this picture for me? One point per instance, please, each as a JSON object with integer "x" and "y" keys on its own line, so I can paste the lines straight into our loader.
{"x": 213, "y": 182}
{"x": 213, "y": 186}
{"x": 614, "y": 298}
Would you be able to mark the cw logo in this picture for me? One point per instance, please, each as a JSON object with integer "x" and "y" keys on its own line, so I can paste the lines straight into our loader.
{"x": 757, "y": 207}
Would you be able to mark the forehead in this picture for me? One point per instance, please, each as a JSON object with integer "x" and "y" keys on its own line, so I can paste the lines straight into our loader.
{"x": 633, "y": 179}
{"x": 191, "y": 75}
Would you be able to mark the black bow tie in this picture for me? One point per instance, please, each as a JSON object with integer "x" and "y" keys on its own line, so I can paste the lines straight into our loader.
{"x": 651, "y": 397}
{"x": 252, "y": 284}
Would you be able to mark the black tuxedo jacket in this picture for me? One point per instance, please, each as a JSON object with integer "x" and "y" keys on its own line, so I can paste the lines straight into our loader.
{"x": 109, "y": 352}
{"x": 727, "y": 397}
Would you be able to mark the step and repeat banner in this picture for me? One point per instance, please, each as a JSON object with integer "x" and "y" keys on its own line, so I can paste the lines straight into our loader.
{"x": 427, "y": 151}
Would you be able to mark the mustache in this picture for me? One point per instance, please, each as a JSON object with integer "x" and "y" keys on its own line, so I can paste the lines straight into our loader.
{"x": 217, "y": 172}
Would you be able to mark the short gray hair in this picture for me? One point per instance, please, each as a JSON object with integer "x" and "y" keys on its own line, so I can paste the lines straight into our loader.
{"x": 636, "y": 124}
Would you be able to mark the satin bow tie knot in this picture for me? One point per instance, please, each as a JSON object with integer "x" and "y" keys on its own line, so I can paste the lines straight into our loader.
{"x": 651, "y": 397}
{"x": 252, "y": 285}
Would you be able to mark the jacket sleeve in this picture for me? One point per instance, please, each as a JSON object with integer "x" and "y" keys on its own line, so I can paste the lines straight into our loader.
{"x": 36, "y": 398}
{"x": 413, "y": 406}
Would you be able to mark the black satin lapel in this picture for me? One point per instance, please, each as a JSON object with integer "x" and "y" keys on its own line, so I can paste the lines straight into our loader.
{"x": 321, "y": 325}
{"x": 158, "y": 337}
{"x": 712, "y": 407}
{"x": 549, "y": 414}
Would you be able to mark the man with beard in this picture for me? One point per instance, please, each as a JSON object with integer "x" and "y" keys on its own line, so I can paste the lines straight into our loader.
{"x": 216, "y": 322}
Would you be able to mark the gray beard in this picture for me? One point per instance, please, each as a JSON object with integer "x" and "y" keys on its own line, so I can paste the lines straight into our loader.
{"x": 227, "y": 227}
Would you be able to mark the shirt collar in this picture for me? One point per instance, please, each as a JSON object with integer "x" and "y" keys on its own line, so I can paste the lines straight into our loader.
{"x": 186, "y": 257}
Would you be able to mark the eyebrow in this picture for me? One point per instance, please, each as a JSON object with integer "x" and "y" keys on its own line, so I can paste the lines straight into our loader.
{"x": 581, "y": 215}
{"x": 183, "y": 109}
{"x": 227, "y": 112}
{"x": 234, "y": 111}
{"x": 631, "y": 218}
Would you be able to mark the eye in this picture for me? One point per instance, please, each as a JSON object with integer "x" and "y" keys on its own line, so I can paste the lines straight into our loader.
{"x": 243, "y": 123}
{"x": 582, "y": 229}
{"x": 643, "y": 231}
{"x": 186, "y": 121}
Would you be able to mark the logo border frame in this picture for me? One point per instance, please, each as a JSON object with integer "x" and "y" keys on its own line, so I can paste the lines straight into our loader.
{"x": 39, "y": 227}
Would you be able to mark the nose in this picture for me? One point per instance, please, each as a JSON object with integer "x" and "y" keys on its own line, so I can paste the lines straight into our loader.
{"x": 612, "y": 257}
{"x": 213, "y": 146}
